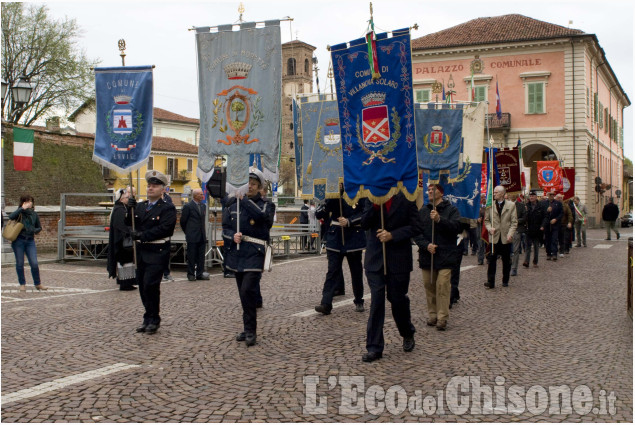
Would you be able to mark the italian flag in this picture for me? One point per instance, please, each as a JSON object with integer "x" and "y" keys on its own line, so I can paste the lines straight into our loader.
{"x": 22, "y": 149}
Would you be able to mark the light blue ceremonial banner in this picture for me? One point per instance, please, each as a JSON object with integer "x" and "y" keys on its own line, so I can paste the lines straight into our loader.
{"x": 240, "y": 80}
{"x": 322, "y": 147}
{"x": 461, "y": 179}
{"x": 441, "y": 135}
{"x": 123, "y": 135}
{"x": 377, "y": 119}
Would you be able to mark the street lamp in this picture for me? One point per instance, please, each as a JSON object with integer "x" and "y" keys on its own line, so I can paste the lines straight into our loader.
{"x": 5, "y": 85}
{"x": 21, "y": 91}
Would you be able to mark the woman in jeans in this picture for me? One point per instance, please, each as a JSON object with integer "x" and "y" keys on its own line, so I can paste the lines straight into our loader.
{"x": 25, "y": 242}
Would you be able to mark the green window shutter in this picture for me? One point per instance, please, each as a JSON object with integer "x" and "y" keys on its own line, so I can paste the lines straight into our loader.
{"x": 531, "y": 99}
{"x": 422, "y": 96}
{"x": 595, "y": 107}
{"x": 480, "y": 93}
{"x": 535, "y": 98}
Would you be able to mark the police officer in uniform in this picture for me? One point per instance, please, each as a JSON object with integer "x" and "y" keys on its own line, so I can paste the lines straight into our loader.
{"x": 347, "y": 222}
{"x": 154, "y": 225}
{"x": 247, "y": 259}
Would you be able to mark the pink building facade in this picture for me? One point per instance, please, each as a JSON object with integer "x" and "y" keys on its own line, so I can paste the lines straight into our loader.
{"x": 558, "y": 93}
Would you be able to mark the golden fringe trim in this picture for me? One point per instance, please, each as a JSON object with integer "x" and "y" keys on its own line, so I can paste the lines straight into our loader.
{"x": 327, "y": 195}
{"x": 380, "y": 200}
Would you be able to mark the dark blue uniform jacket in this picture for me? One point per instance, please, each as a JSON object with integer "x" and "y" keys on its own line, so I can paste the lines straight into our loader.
{"x": 354, "y": 235}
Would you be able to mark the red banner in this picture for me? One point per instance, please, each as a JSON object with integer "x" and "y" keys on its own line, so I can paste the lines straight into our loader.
{"x": 484, "y": 177}
{"x": 568, "y": 182}
{"x": 549, "y": 176}
{"x": 508, "y": 169}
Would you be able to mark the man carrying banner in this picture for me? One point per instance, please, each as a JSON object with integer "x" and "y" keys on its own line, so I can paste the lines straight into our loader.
{"x": 400, "y": 221}
{"x": 154, "y": 225}
{"x": 246, "y": 225}
{"x": 501, "y": 223}
{"x": 344, "y": 239}
{"x": 437, "y": 251}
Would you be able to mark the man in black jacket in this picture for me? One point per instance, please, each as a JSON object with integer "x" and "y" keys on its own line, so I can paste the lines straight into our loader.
{"x": 246, "y": 230}
{"x": 437, "y": 256}
{"x": 154, "y": 225}
{"x": 610, "y": 212}
{"x": 193, "y": 225}
{"x": 536, "y": 224}
{"x": 521, "y": 230}
{"x": 400, "y": 218}
{"x": 344, "y": 239}
{"x": 554, "y": 218}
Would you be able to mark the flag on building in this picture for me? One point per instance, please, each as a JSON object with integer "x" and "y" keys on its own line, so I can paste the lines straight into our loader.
{"x": 499, "y": 109}
{"x": 376, "y": 120}
{"x": 124, "y": 102}
{"x": 23, "y": 149}
{"x": 239, "y": 82}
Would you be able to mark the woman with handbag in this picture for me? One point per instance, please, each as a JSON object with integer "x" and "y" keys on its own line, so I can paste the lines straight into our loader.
{"x": 120, "y": 254}
{"x": 25, "y": 242}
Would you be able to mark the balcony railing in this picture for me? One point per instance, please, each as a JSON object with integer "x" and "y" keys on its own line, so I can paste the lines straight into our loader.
{"x": 504, "y": 123}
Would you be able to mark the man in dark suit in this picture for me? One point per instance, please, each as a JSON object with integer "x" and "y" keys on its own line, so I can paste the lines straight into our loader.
{"x": 154, "y": 224}
{"x": 304, "y": 219}
{"x": 344, "y": 239}
{"x": 554, "y": 217}
{"x": 399, "y": 224}
{"x": 193, "y": 224}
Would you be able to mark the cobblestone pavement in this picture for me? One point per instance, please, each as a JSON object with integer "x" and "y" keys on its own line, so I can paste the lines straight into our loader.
{"x": 71, "y": 354}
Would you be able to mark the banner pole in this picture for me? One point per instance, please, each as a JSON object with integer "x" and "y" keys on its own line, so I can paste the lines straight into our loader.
{"x": 434, "y": 208}
{"x": 237, "y": 219}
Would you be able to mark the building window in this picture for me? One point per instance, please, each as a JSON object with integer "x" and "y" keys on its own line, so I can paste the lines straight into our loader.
{"x": 172, "y": 169}
{"x": 536, "y": 98}
{"x": 595, "y": 107}
{"x": 600, "y": 114}
{"x": 151, "y": 163}
{"x": 422, "y": 96}
{"x": 306, "y": 67}
{"x": 190, "y": 164}
{"x": 291, "y": 66}
{"x": 480, "y": 94}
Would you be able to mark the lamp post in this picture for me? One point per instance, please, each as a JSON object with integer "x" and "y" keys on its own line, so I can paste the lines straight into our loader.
{"x": 19, "y": 94}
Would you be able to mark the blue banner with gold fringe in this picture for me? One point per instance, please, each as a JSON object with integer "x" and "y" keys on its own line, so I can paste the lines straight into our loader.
{"x": 377, "y": 118}
{"x": 322, "y": 147}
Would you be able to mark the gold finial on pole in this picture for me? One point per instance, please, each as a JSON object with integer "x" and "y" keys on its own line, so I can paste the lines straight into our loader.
{"x": 122, "y": 47}
{"x": 241, "y": 10}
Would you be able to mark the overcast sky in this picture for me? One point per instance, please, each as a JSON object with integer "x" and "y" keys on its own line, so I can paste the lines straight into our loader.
{"x": 157, "y": 32}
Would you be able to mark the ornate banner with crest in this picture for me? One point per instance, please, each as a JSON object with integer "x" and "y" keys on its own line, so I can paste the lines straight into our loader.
{"x": 240, "y": 80}
{"x": 322, "y": 147}
{"x": 549, "y": 176}
{"x": 438, "y": 155}
{"x": 123, "y": 135}
{"x": 508, "y": 169}
{"x": 376, "y": 118}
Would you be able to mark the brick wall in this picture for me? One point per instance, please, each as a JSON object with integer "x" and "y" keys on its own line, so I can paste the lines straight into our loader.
{"x": 61, "y": 164}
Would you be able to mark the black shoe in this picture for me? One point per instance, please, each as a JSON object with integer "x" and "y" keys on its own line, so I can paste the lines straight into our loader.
{"x": 323, "y": 309}
{"x": 409, "y": 344}
{"x": 607, "y": 239}
{"x": 505, "y": 285}
{"x": 250, "y": 339}
{"x": 359, "y": 308}
{"x": 259, "y": 304}
{"x": 371, "y": 356}
{"x": 202, "y": 277}
{"x": 141, "y": 328}
{"x": 488, "y": 285}
{"x": 191, "y": 277}
{"x": 474, "y": 253}
{"x": 618, "y": 235}
{"x": 240, "y": 337}
{"x": 152, "y": 329}
{"x": 127, "y": 288}
{"x": 526, "y": 265}
{"x": 480, "y": 263}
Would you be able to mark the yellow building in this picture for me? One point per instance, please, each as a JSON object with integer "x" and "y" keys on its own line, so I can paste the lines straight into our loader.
{"x": 176, "y": 159}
